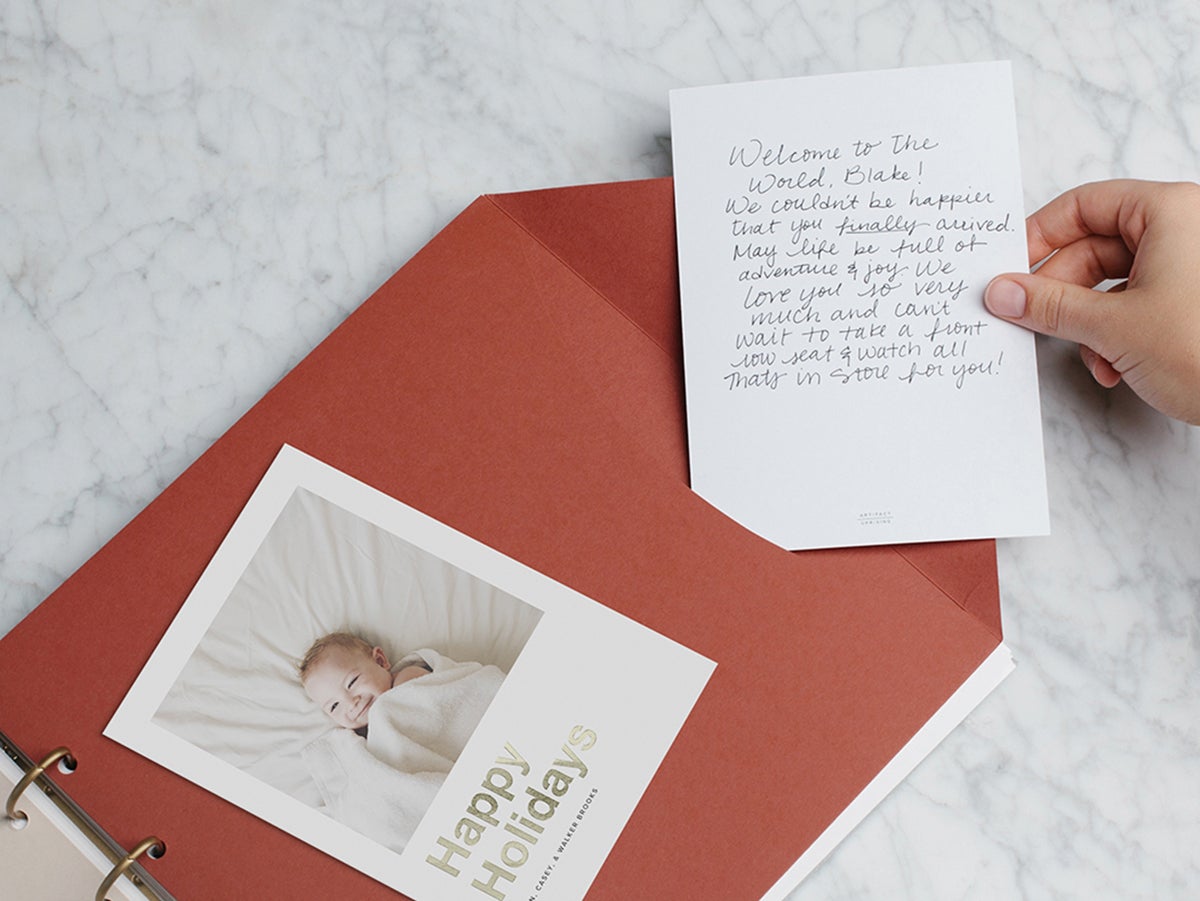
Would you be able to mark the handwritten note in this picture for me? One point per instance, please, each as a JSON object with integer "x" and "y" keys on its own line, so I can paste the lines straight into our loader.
{"x": 845, "y": 385}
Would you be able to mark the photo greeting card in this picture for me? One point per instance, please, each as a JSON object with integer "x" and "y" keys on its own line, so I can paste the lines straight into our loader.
{"x": 406, "y": 699}
{"x": 845, "y": 385}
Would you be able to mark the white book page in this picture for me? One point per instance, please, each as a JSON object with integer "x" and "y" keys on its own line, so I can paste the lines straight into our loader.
{"x": 845, "y": 385}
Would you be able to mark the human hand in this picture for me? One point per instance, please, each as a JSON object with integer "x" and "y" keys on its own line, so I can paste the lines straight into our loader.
{"x": 1146, "y": 330}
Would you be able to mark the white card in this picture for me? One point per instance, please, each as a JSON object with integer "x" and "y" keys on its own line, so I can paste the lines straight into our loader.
{"x": 845, "y": 385}
{"x": 506, "y": 770}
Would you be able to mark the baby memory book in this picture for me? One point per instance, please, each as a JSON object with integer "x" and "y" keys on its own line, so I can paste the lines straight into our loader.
{"x": 516, "y": 390}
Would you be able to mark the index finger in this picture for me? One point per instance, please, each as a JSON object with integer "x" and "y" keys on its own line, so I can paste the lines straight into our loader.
{"x": 1114, "y": 208}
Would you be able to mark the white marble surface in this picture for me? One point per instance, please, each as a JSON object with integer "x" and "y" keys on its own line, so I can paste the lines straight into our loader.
{"x": 192, "y": 194}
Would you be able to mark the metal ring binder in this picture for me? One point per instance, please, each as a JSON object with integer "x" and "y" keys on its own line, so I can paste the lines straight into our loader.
{"x": 75, "y": 817}
{"x": 10, "y": 808}
{"x": 151, "y": 843}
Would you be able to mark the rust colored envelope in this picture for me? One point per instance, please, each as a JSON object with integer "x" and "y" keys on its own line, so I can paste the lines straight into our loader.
{"x": 520, "y": 380}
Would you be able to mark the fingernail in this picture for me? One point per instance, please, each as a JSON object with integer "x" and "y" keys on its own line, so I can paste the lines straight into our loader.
{"x": 1005, "y": 298}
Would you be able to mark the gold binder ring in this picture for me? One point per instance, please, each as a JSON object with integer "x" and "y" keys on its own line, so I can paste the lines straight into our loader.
{"x": 151, "y": 843}
{"x": 18, "y": 818}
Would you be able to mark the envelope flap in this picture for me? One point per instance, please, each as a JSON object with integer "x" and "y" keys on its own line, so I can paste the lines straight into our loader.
{"x": 964, "y": 571}
{"x": 619, "y": 238}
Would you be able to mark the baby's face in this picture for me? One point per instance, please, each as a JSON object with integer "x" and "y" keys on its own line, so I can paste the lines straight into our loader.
{"x": 344, "y": 682}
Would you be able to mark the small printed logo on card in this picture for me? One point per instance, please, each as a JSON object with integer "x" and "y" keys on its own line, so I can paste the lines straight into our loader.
{"x": 875, "y": 518}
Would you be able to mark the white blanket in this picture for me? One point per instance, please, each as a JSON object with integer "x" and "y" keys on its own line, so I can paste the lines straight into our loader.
{"x": 382, "y": 786}
{"x": 422, "y": 725}
{"x": 364, "y": 793}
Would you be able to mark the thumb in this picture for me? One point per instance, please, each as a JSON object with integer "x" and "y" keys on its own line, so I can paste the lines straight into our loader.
{"x": 1051, "y": 307}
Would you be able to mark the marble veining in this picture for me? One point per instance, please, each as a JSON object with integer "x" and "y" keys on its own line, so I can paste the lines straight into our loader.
{"x": 192, "y": 194}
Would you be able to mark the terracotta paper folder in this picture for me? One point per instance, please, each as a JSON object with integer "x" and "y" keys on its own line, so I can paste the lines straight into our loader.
{"x": 520, "y": 380}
